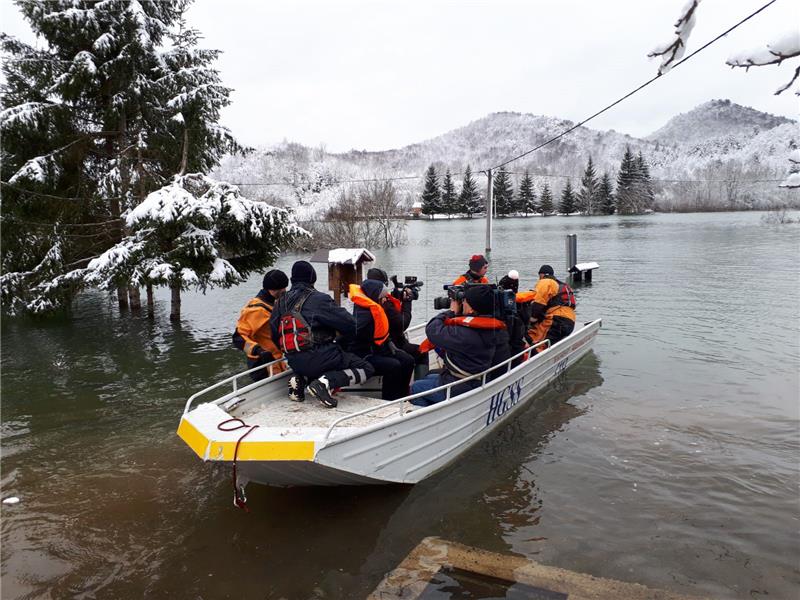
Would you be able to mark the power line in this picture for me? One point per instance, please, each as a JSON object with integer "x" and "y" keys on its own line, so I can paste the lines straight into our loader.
{"x": 631, "y": 93}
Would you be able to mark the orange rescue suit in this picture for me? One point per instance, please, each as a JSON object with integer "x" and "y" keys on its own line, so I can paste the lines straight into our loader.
{"x": 543, "y": 294}
{"x": 379, "y": 319}
{"x": 253, "y": 327}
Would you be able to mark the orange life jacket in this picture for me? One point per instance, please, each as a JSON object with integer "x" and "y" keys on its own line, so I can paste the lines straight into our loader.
{"x": 467, "y": 278}
{"x": 426, "y": 346}
{"x": 523, "y": 297}
{"x": 379, "y": 319}
{"x": 476, "y": 322}
{"x": 395, "y": 302}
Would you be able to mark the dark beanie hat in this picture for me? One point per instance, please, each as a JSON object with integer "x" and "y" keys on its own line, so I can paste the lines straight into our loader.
{"x": 303, "y": 272}
{"x": 378, "y": 274}
{"x": 275, "y": 280}
{"x": 372, "y": 288}
{"x": 546, "y": 270}
{"x": 481, "y": 299}
{"x": 477, "y": 261}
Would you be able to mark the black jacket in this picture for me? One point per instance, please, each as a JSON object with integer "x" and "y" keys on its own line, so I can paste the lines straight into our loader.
{"x": 363, "y": 344}
{"x": 470, "y": 350}
{"x": 324, "y": 317}
{"x": 399, "y": 320}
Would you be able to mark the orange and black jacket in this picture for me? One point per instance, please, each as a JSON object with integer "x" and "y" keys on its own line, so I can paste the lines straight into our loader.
{"x": 372, "y": 324}
{"x": 253, "y": 334}
{"x": 549, "y": 302}
{"x": 470, "y": 277}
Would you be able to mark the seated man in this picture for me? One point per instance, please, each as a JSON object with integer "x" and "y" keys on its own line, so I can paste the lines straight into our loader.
{"x": 472, "y": 340}
{"x": 478, "y": 265}
{"x": 373, "y": 341}
{"x": 253, "y": 335}
{"x": 517, "y": 322}
{"x": 305, "y": 323}
{"x": 552, "y": 309}
{"x": 398, "y": 311}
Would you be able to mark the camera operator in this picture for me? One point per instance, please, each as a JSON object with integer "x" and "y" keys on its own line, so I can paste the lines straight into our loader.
{"x": 398, "y": 310}
{"x": 373, "y": 340}
{"x": 518, "y": 320}
{"x": 472, "y": 339}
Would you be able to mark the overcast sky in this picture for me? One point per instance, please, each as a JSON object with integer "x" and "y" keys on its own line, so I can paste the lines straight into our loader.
{"x": 382, "y": 74}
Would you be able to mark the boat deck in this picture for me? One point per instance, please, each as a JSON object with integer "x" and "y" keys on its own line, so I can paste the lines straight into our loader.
{"x": 311, "y": 413}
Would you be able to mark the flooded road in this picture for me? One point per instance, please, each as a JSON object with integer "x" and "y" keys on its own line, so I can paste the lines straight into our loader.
{"x": 668, "y": 456}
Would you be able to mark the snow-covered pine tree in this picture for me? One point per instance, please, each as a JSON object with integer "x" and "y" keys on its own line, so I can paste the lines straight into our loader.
{"x": 586, "y": 198}
{"x": 140, "y": 114}
{"x": 469, "y": 200}
{"x": 546, "y": 201}
{"x": 567, "y": 205}
{"x": 503, "y": 193}
{"x": 194, "y": 232}
{"x": 527, "y": 196}
{"x": 605, "y": 196}
{"x": 431, "y": 195}
{"x": 645, "y": 184}
{"x": 87, "y": 92}
{"x": 449, "y": 200}
{"x": 627, "y": 185}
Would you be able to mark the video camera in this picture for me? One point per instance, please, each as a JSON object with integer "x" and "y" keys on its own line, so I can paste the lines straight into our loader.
{"x": 410, "y": 283}
{"x": 504, "y": 301}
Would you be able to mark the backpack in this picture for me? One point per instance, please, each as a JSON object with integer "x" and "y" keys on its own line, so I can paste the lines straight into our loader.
{"x": 294, "y": 332}
{"x": 564, "y": 297}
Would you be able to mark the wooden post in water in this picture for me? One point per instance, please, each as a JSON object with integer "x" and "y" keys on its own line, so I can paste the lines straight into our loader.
{"x": 572, "y": 251}
{"x": 489, "y": 211}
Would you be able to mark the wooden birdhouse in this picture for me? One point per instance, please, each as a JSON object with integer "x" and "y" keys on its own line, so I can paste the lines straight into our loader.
{"x": 345, "y": 266}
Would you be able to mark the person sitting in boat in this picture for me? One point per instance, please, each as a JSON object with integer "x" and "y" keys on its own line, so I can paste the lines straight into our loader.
{"x": 472, "y": 340}
{"x": 373, "y": 339}
{"x": 398, "y": 311}
{"x": 253, "y": 335}
{"x": 305, "y": 323}
{"x": 517, "y": 321}
{"x": 552, "y": 309}
{"x": 478, "y": 265}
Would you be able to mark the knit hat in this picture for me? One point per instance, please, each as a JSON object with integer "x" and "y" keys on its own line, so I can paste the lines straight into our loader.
{"x": 303, "y": 272}
{"x": 546, "y": 270}
{"x": 275, "y": 279}
{"x": 373, "y": 289}
{"x": 481, "y": 299}
{"x": 476, "y": 262}
{"x": 378, "y": 274}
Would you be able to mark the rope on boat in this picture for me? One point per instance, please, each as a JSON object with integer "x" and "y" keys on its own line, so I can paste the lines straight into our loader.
{"x": 239, "y": 498}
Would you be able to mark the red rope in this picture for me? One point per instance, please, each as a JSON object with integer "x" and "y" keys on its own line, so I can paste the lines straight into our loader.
{"x": 239, "y": 499}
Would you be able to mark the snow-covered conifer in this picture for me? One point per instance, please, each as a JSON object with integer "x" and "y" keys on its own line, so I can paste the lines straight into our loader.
{"x": 449, "y": 200}
{"x": 587, "y": 196}
{"x": 546, "y": 201}
{"x": 469, "y": 200}
{"x": 503, "y": 192}
{"x": 527, "y": 196}
{"x": 431, "y": 194}
{"x": 567, "y": 204}
{"x": 605, "y": 196}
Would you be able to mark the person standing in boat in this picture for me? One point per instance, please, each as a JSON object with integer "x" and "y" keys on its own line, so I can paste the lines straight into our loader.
{"x": 373, "y": 339}
{"x": 552, "y": 308}
{"x": 478, "y": 265}
{"x": 305, "y": 323}
{"x": 253, "y": 335}
{"x": 472, "y": 341}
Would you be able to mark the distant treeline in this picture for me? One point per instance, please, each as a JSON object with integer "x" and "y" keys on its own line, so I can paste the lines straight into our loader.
{"x": 597, "y": 195}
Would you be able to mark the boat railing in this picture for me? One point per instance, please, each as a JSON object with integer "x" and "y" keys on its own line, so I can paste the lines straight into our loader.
{"x": 447, "y": 388}
{"x": 234, "y": 381}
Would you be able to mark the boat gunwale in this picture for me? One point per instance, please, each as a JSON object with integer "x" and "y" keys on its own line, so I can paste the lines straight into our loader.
{"x": 327, "y": 442}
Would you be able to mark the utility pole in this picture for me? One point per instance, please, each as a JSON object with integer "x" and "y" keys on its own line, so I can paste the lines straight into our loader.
{"x": 489, "y": 211}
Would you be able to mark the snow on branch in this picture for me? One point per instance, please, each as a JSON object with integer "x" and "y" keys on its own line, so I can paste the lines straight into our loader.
{"x": 784, "y": 47}
{"x": 672, "y": 51}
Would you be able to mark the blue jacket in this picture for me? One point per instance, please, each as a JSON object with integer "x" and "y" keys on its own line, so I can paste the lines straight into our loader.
{"x": 324, "y": 317}
{"x": 365, "y": 327}
{"x": 470, "y": 350}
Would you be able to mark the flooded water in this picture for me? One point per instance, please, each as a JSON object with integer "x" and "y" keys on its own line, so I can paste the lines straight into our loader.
{"x": 668, "y": 457}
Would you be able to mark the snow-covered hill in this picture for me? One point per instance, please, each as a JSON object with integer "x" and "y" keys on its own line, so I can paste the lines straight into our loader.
{"x": 715, "y": 141}
{"x": 716, "y": 119}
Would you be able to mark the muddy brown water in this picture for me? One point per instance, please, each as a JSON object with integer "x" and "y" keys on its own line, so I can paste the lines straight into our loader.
{"x": 668, "y": 456}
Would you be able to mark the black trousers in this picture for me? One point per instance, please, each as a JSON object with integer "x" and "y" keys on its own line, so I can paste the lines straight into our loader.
{"x": 340, "y": 368}
{"x": 396, "y": 371}
{"x": 560, "y": 329}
